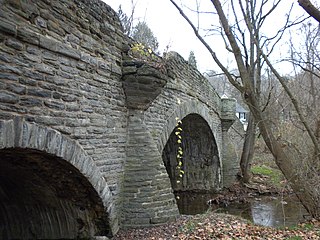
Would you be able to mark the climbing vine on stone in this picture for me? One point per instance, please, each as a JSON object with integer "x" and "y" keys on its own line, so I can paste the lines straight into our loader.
{"x": 178, "y": 132}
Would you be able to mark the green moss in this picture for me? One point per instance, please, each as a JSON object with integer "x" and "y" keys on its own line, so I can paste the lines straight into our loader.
{"x": 263, "y": 170}
{"x": 275, "y": 175}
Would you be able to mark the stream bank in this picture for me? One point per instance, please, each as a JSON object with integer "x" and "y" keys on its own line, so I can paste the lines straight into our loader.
{"x": 235, "y": 213}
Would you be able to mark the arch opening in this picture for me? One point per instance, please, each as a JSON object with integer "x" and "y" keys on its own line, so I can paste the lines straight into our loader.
{"x": 44, "y": 197}
{"x": 201, "y": 162}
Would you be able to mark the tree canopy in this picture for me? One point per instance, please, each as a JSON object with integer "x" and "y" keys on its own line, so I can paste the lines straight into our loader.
{"x": 192, "y": 59}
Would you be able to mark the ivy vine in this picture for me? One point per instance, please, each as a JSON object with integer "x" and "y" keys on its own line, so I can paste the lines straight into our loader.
{"x": 179, "y": 157}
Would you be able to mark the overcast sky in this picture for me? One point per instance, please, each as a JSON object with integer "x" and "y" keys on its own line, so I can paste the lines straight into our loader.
{"x": 173, "y": 31}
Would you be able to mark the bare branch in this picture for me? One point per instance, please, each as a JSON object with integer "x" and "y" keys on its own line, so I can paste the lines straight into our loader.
{"x": 268, "y": 13}
{"x": 298, "y": 63}
{"x": 198, "y": 11}
{"x": 213, "y": 54}
{"x": 243, "y": 41}
{"x": 294, "y": 102}
{"x": 268, "y": 100}
{"x": 233, "y": 43}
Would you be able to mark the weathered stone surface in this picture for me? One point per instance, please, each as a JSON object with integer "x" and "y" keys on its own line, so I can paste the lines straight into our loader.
{"x": 71, "y": 95}
{"x": 142, "y": 84}
{"x": 8, "y": 97}
{"x": 14, "y": 44}
{"x": 7, "y": 27}
{"x": 39, "y": 75}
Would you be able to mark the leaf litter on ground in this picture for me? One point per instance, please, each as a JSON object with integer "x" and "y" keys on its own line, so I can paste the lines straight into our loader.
{"x": 220, "y": 226}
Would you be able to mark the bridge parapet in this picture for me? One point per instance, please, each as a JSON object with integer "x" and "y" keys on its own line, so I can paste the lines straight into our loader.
{"x": 189, "y": 80}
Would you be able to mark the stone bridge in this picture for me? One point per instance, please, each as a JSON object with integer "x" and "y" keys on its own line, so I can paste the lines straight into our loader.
{"x": 87, "y": 132}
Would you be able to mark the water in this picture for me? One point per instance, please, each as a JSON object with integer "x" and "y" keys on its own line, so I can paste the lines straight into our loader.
{"x": 266, "y": 210}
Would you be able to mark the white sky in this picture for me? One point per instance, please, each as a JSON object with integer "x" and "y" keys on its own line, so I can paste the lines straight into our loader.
{"x": 172, "y": 30}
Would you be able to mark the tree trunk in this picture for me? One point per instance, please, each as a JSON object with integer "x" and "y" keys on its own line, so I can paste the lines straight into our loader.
{"x": 304, "y": 179}
{"x": 248, "y": 151}
{"x": 305, "y": 186}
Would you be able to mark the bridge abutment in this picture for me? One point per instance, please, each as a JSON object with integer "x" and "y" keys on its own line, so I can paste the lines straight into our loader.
{"x": 231, "y": 139}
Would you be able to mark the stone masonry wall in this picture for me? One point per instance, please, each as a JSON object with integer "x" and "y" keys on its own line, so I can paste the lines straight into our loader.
{"x": 60, "y": 67}
{"x": 187, "y": 92}
{"x": 185, "y": 87}
{"x": 148, "y": 198}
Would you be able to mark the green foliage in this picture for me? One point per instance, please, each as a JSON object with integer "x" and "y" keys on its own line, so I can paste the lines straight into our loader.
{"x": 192, "y": 60}
{"x": 143, "y": 52}
{"x": 189, "y": 227}
{"x": 263, "y": 170}
{"x": 308, "y": 226}
{"x": 141, "y": 32}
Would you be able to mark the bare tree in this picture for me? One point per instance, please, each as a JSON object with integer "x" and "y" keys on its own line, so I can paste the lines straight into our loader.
{"x": 245, "y": 30}
{"x": 127, "y": 20}
{"x": 304, "y": 179}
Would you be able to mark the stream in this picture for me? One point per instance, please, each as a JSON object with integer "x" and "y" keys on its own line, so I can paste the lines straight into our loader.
{"x": 273, "y": 211}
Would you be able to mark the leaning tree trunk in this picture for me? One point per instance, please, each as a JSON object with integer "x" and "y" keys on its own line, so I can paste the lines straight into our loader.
{"x": 248, "y": 151}
{"x": 306, "y": 185}
{"x": 307, "y": 191}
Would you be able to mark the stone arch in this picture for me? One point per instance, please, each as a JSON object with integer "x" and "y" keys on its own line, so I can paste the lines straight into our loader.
{"x": 184, "y": 109}
{"x": 201, "y": 159}
{"x": 91, "y": 203}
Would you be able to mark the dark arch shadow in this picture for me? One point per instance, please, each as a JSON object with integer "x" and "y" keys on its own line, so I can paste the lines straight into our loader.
{"x": 45, "y": 191}
{"x": 201, "y": 162}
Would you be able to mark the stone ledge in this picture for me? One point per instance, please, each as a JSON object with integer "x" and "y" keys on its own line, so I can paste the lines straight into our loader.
{"x": 141, "y": 83}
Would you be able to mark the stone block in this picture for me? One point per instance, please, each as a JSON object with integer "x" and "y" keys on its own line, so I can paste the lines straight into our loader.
{"x": 15, "y": 88}
{"x": 7, "y": 97}
{"x": 7, "y": 134}
{"x": 8, "y": 27}
{"x": 14, "y": 44}
{"x": 28, "y": 35}
{"x": 39, "y": 92}
{"x": 54, "y": 105}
